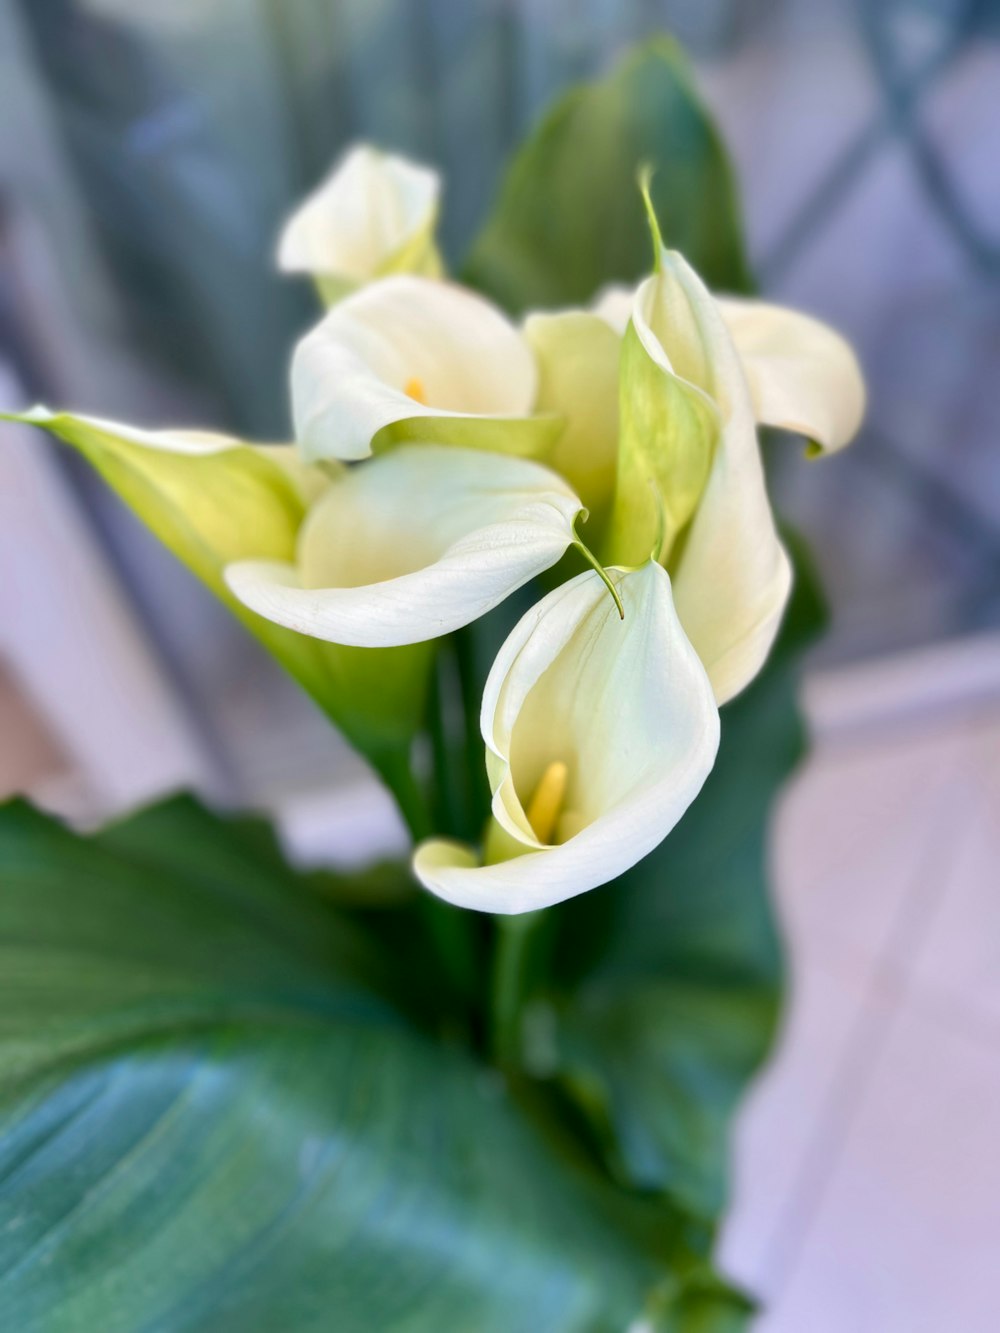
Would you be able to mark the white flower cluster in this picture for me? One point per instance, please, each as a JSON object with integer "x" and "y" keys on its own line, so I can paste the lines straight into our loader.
{"x": 451, "y": 455}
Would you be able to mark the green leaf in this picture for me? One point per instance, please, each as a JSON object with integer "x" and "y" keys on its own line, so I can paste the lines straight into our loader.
{"x": 707, "y": 1306}
{"x": 243, "y": 503}
{"x": 670, "y": 979}
{"x": 570, "y": 217}
{"x": 216, "y": 1113}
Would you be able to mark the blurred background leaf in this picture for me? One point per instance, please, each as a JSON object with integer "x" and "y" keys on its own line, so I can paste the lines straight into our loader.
{"x": 569, "y": 217}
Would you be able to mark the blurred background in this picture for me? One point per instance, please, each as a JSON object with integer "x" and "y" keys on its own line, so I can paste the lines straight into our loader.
{"x": 148, "y": 152}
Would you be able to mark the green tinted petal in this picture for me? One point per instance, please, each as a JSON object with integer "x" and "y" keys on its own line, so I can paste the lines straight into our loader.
{"x": 213, "y": 500}
{"x": 578, "y": 355}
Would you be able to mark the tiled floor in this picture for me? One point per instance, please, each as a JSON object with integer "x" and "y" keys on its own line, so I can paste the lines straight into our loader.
{"x": 868, "y": 1157}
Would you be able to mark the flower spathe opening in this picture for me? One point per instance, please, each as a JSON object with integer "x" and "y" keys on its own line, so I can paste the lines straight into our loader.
{"x": 599, "y": 734}
{"x": 414, "y": 388}
{"x": 567, "y": 764}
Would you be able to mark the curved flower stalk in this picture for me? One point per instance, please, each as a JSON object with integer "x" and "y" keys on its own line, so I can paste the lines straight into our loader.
{"x": 407, "y": 359}
{"x": 599, "y": 734}
{"x": 414, "y": 544}
{"x": 374, "y": 214}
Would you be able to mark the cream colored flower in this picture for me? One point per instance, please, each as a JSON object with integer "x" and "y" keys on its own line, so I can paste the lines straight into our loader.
{"x": 696, "y": 376}
{"x": 408, "y": 359}
{"x": 411, "y": 545}
{"x": 599, "y": 734}
{"x": 374, "y": 214}
{"x": 577, "y": 355}
{"x": 803, "y": 375}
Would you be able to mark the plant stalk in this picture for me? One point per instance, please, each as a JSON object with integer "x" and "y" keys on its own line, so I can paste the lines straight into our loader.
{"x": 446, "y": 819}
{"x": 477, "y": 789}
{"x": 509, "y": 985}
{"x": 396, "y": 772}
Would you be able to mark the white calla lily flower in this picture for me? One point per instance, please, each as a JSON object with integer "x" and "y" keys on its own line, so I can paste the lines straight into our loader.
{"x": 731, "y": 574}
{"x": 722, "y": 367}
{"x": 374, "y": 214}
{"x": 599, "y": 734}
{"x": 803, "y": 375}
{"x": 413, "y": 544}
{"x": 409, "y": 359}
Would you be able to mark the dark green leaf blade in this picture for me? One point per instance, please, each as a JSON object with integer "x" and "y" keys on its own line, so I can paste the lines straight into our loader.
{"x": 293, "y": 1178}
{"x": 570, "y": 219}
{"x": 213, "y": 1116}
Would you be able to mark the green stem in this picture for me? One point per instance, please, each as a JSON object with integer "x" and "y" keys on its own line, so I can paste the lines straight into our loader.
{"x": 475, "y": 760}
{"x": 603, "y": 574}
{"x": 440, "y": 755}
{"x": 645, "y": 184}
{"x": 510, "y": 974}
{"x": 394, "y": 768}
{"x": 448, "y": 929}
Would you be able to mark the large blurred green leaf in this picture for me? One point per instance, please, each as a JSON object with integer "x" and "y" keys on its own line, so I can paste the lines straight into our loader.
{"x": 569, "y": 218}
{"x": 214, "y": 1115}
{"x": 671, "y": 977}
